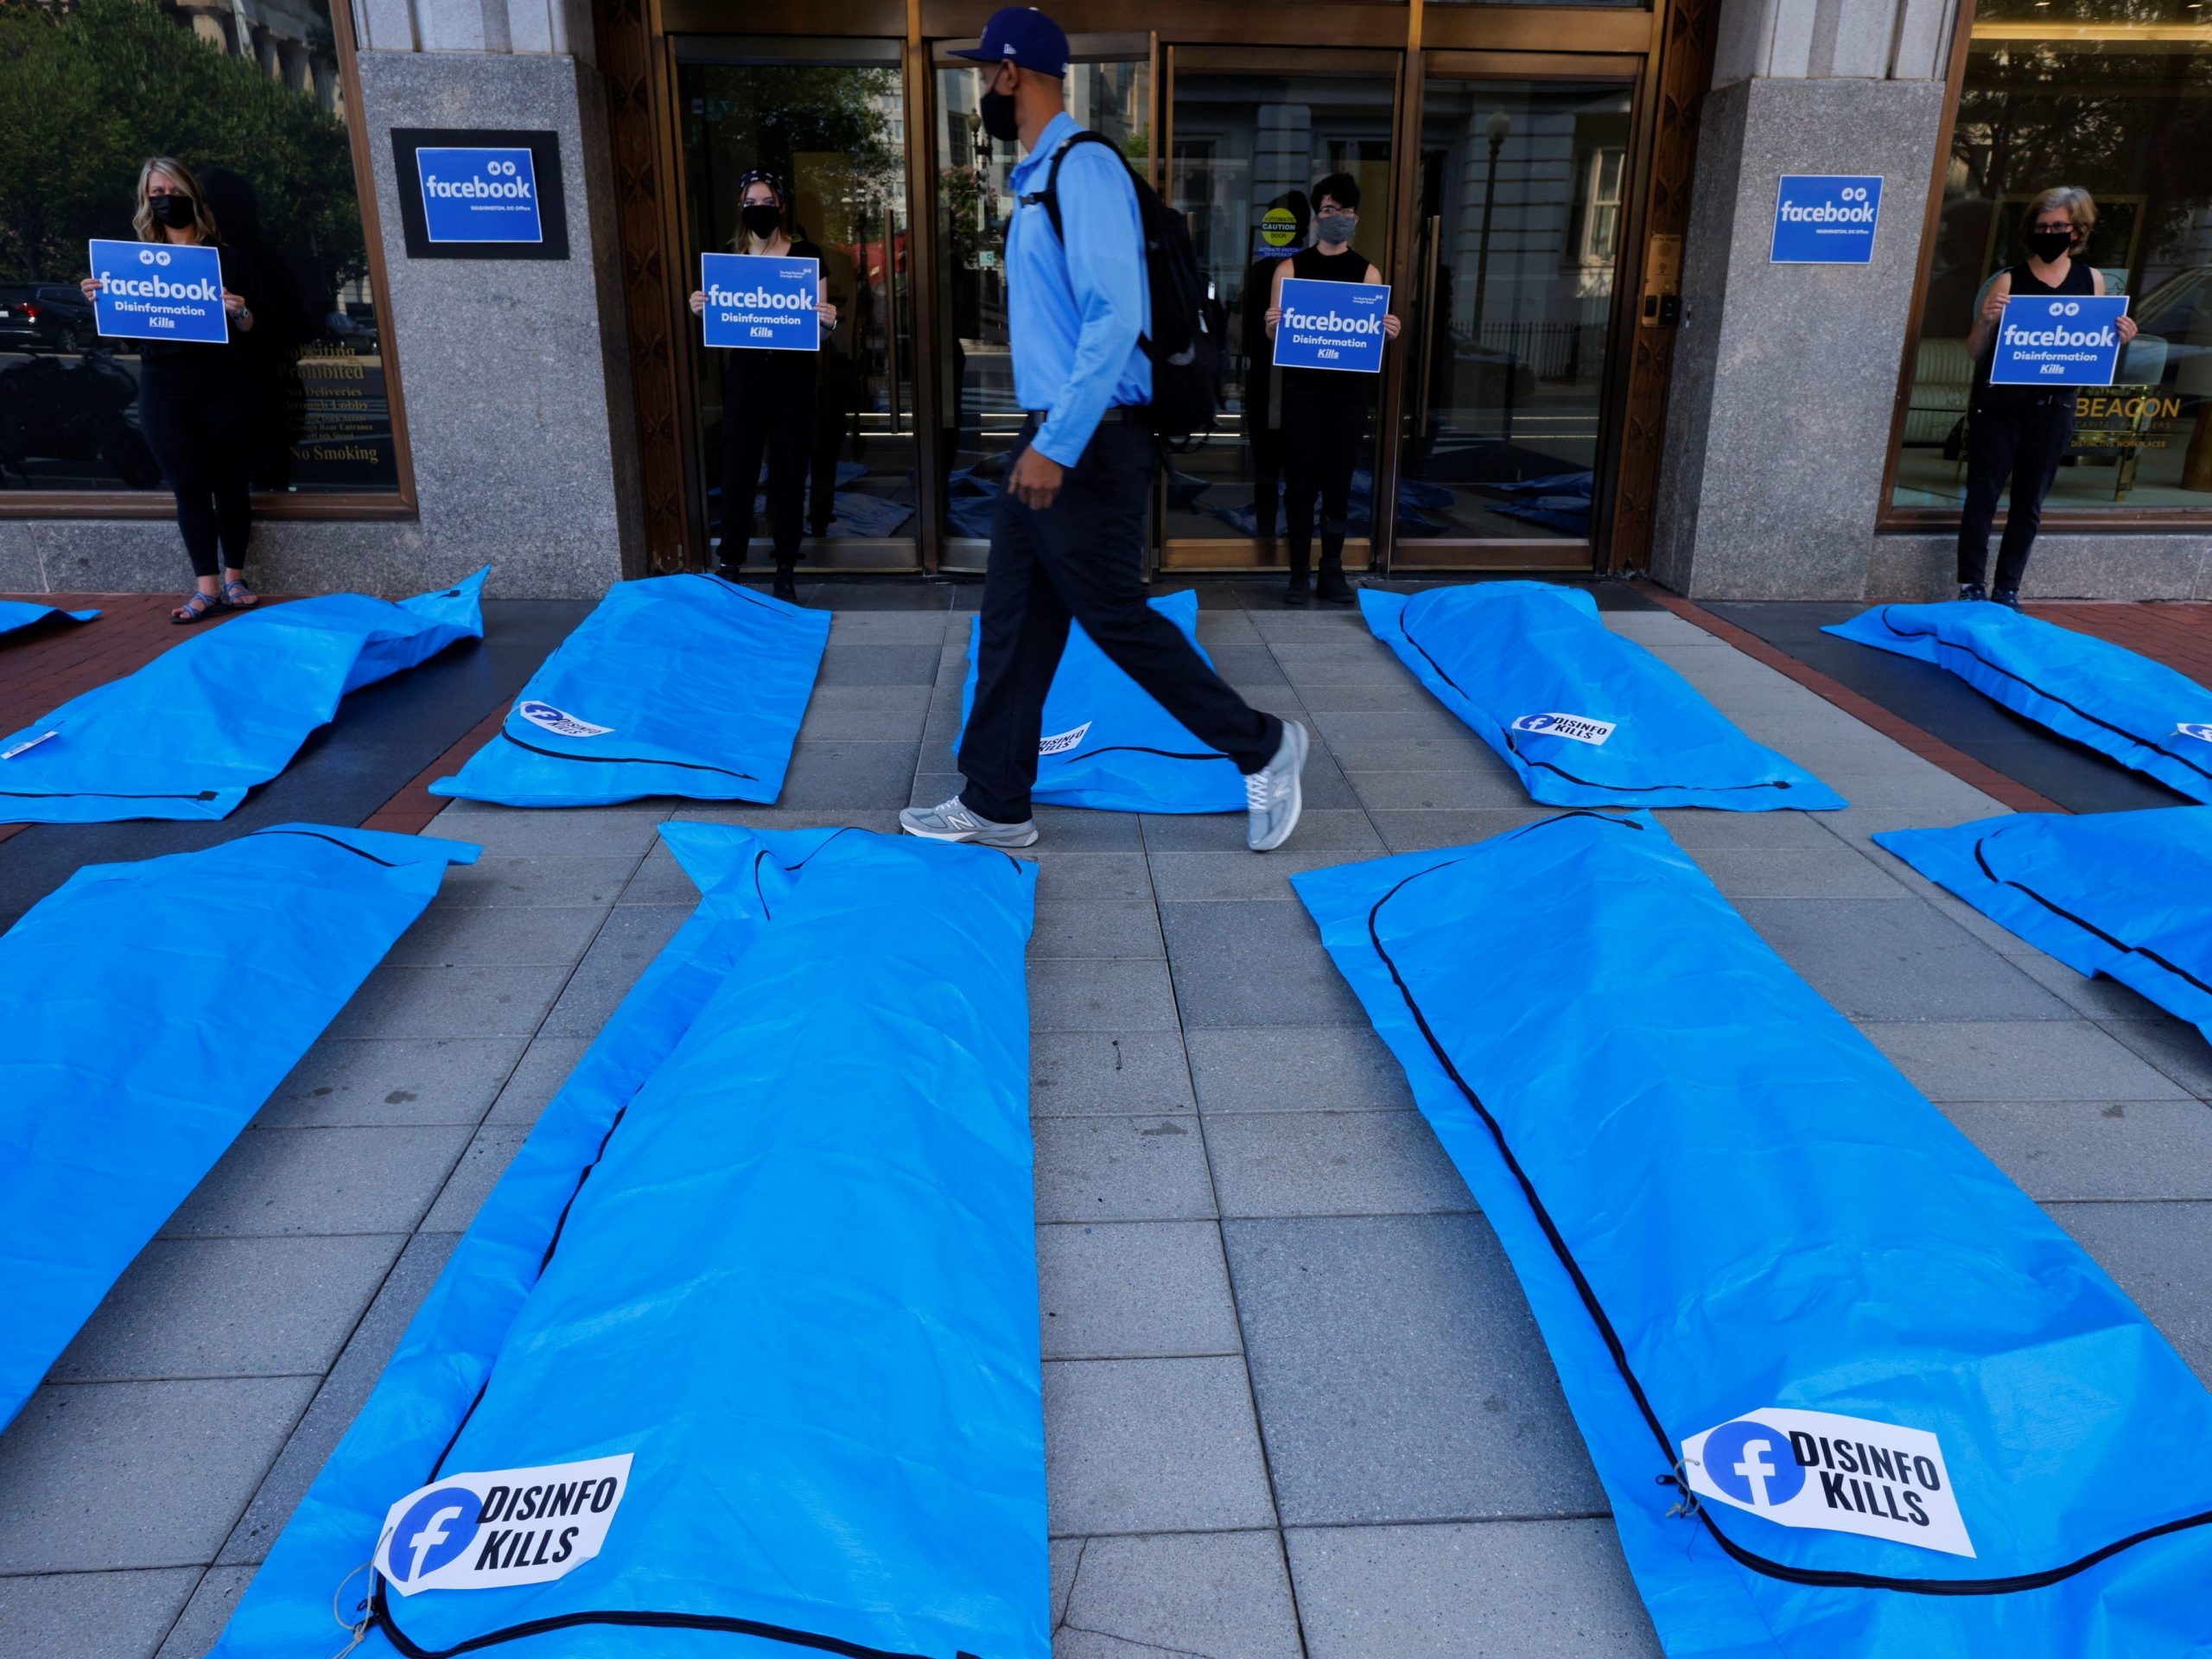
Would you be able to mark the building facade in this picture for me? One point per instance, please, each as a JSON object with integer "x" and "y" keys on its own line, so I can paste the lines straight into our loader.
{"x": 1604, "y": 366}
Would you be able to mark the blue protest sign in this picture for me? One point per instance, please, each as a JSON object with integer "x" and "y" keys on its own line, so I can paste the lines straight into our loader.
{"x": 1332, "y": 325}
{"x": 159, "y": 290}
{"x": 757, "y": 303}
{"x": 479, "y": 194}
{"x": 2058, "y": 340}
{"x": 1826, "y": 219}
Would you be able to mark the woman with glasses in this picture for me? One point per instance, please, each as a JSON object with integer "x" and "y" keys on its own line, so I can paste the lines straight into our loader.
{"x": 2018, "y": 434}
{"x": 1324, "y": 412}
{"x": 197, "y": 400}
{"x": 767, "y": 397}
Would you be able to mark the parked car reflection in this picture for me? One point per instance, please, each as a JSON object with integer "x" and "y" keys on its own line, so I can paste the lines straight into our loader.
{"x": 50, "y": 317}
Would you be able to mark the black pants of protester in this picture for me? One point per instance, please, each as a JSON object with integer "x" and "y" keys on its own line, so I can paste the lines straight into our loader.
{"x": 1082, "y": 558}
{"x": 2023, "y": 448}
{"x": 1267, "y": 474}
{"x": 202, "y": 430}
{"x": 1320, "y": 447}
{"x": 775, "y": 420}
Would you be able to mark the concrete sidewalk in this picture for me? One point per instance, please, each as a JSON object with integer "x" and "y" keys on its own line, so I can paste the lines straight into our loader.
{"x": 1296, "y": 1403}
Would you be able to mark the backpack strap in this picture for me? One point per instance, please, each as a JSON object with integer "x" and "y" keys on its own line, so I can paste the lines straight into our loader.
{"x": 1049, "y": 196}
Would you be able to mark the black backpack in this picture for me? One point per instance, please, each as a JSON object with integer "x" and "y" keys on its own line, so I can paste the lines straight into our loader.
{"x": 1188, "y": 324}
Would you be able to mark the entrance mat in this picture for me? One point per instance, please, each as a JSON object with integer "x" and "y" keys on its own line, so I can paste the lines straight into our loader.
{"x": 151, "y": 1009}
{"x": 2125, "y": 894}
{"x": 1851, "y": 1393}
{"x": 741, "y": 1355}
{"x": 189, "y": 734}
{"x": 1584, "y": 716}
{"x": 674, "y": 685}
{"x": 1106, "y": 744}
{"x": 2107, "y": 697}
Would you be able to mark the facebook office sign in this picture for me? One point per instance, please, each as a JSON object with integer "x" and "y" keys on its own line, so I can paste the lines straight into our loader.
{"x": 1332, "y": 326}
{"x": 1826, "y": 219}
{"x": 757, "y": 303}
{"x": 473, "y": 193}
{"x": 159, "y": 290}
{"x": 2058, "y": 340}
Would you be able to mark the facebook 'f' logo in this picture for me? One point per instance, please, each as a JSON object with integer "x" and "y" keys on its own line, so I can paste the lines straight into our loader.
{"x": 440, "y": 1525}
{"x": 1753, "y": 1463}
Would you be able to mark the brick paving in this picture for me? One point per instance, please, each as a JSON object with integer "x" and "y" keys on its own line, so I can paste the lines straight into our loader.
{"x": 2178, "y": 635}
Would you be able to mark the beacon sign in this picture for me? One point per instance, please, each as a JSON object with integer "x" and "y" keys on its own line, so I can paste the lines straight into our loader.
{"x": 480, "y": 196}
{"x": 1826, "y": 219}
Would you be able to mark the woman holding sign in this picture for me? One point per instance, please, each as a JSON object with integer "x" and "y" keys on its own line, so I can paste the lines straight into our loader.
{"x": 767, "y": 398}
{"x": 2019, "y": 433}
{"x": 197, "y": 399}
{"x": 1324, "y": 412}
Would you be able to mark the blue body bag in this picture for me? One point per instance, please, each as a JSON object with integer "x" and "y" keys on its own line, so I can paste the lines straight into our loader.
{"x": 773, "y": 1239}
{"x": 150, "y": 1008}
{"x": 1585, "y": 717}
{"x": 2141, "y": 713}
{"x": 15, "y": 614}
{"x": 2127, "y": 894}
{"x": 189, "y": 734}
{"x": 1106, "y": 744}
{"x": 1771, "y": 1275}
{"x": 674, "y": 685}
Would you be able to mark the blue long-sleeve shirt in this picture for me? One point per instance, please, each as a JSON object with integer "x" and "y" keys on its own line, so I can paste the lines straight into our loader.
{"x": 1075, "y": 312}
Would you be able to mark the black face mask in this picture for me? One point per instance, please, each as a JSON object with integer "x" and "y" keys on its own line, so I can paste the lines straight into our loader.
{"x": 761, "y": 218}
{"x": 999, "y": 117}
{"x": 175, "y": 212}
{"x": 2047, "y": 246}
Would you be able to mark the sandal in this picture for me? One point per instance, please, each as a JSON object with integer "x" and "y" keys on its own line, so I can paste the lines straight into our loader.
{"x": 196, "y": 607}
{"x": 239, "y": 597}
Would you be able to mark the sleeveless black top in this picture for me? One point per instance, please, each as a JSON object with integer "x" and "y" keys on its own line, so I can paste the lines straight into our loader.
{"x": 1311, "y": 264}
{"x": 2080, "y": 278}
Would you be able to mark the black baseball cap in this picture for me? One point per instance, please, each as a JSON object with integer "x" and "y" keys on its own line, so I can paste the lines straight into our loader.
{"x": 1023, "y": 35}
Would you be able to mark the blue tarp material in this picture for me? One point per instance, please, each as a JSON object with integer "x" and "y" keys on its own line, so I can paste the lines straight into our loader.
{"x": 189, "y": 734}
{"x": 673, "y": 685}
{"x": 2141, "y": 713}
{"x": 2127, "y": 894}
{"x": 15, "y": 614}
{"x": 150, "y": 1008}
{"x": 1585, "y": 717}
{"x": 799, "y": 1287}
{"x": 1725, "y": 1207}
{"x": 1106, "y": 744}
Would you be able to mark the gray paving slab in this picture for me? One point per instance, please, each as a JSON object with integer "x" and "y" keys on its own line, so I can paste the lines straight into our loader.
{"x": 374, "y": 1081}
{"x": 856, "y": 661}
{"x": 91, "y": 1615}
{"x": 626, "y": 946}
{"x": 590, "y": 879}
{"x": 1241, "y": 877}
{"x": 1121, "y": 1169}
{"x": 1291, "y": 1068}
{"x": 2018, "y": 1060}
{"x": 480, "y": 935}
{"x": 660, "y": 881}
{"x": 1152, "y": 1446}
{"x": 1082, "y": 829}
{"x": 212, "y": 1603}
{"x": 1876, "y": 960}
{"x": 2089, "y": 993}
{"x": 850, "y": 775}
{"x": 1530, "y": 1589}
{"x": 1447, "y": 751}
{"x": 538, "y": 1076}
{"x": 1075, "y": 1073}
{"x": 1096, "y": 928}
{"x": 1370, "y": 695}
{"x": 2156, "y": 1252}
{"x": 1242, "y": 665}
{"x": 1742, "y": 872}
{"x": 2178, "y": 1050}
{"x": 1403, "y": 723}
{"x": 925, "y": 626}
{"x": 320, "y": 1181}
{"x": 1065, "y": 1553}
{"x": 1102, "y": 997}
{"x": 882, "y": 820}
{"x": 1253, "y": 964}
{"x": 106, "y": 1475}
{"x": 1329, "y": 1163}
{"x": 1064, "y": 875}
{"x": 487, "y": 1159}
{"x": 1135, "y": 1290}
{"x": 626, "y": 831}
{"x": 1320, "y": 830}
{"x": 2119, "y": 1149}
{"x": 231, "y": 1307}
{"x": 1406, "y": 791}
{"x": 930, "y": 787}
{"x": 1696, "y": 829}
{"x": 398, "y": 1002}
{"x": 868, "y": 714}
{"x": 1224, "y": 1595}
{"x": 1400, "y": 1375}
{"x": 339, "y": 1399}
{"x": 1422, "y": 830}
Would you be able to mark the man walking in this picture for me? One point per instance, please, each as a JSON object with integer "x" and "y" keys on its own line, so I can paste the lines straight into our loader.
{"x": 1067, "y": 532}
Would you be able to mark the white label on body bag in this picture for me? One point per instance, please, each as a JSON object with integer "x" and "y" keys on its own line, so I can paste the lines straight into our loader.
{"x": 13, "y": 750}
{"x": 502, "y": 1527}
{"x": 1840, "y": 1474}
{"x": 553, "y": 720}
{"x": 1580, "y": 727}
{"x": 2187, "y": 728}
{"x": 1061, "y": 742}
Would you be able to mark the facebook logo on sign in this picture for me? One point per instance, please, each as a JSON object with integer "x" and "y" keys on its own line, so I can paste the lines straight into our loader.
{"x": 440, "y": 1526}
{"x": 1826, "y": 219}
{"x": 479, "y": 195}
{"x": 1753, "y": 1463}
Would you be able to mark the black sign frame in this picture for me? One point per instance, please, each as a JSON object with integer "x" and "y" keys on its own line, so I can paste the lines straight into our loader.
{"x": 544, "y": 148}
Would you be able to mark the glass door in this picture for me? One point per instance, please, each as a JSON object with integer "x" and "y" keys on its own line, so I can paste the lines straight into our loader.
{"x": 829, "y": 118}
{"x": 1520, "y": 233}
{"x": 1251, "y": 131}
{"x": 1109, "y": 91}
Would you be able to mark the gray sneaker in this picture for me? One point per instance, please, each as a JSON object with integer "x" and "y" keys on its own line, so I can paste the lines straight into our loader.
{"x": 1274, "y": 794}
{"x": 953, "y": 822}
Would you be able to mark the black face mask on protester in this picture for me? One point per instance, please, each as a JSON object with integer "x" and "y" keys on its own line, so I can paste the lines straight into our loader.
{"x": 2047, "y": 246}
{"x": 761, "y": 218}
{"x": 175, "y": 212}
{"x": 999, "y": 117}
